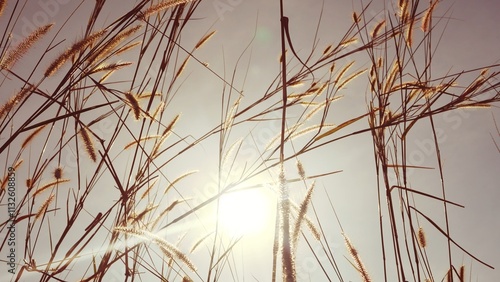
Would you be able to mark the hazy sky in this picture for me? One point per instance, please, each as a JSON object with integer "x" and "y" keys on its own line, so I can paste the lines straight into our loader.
{"x": 471, "y": 162}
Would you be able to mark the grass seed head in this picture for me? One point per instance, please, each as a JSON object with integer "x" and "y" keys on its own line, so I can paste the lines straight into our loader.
{"x": 17, "y": 52}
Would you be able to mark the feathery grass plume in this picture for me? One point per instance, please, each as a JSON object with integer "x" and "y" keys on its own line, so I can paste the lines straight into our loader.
{"x": 149, "y": 189}
{"x": 391, "y": 78}
{"x": 310, "y": 224}
{"x": 461, "y": 273}
{"x": 232, "y": 113}
{"x": 142, "y": 214}
{"x": 43, "y": 208}
{"x": 3, "y": 4}
{"x": 377, "y": 29}
{"x": 140, "y": 140}
{"x": 348, "y": 42}
{"x": 58, "y": 173}
{"x": 89, "y": 144}
{"x": 115, "y": 41}
{"x": 474, "y": 106}
{"x": 17, "y": 52}
{"x": 287, "y": 257}
{"x": 355, "y": 18}
{"x": 14, "y": 100}
{"x": 165, "y": 135}
{"x": 301, "y": 215}
{"x": 309, "y": 129}
{"x": 134, "y": 104}
{"x": 321, "y": 106}
{"x": 29, "y": 183}
{"x": 300, "y": 169}
{"x": 426, "y": 19}
{"x": 422, "y": 241}
{"x": 49, "y": 185}
{"x": 343, "y": 71}
{"x": 131, "y": 231}
{"x": 147, "y": 95}
{"x": 350, "y": 78}
{"x": 403, "y": 10}
{"x": 73, "y": 50}
{"x": 6, "y": 177}
{"x": 332, "y": 67}
{"x": 327, "y": 49}
{"x": 161, "y": 6}
{"x": 204, "y": 40}
{"x": 171, "y": 249}
{"x": 32, "y": 136}
{"x": 360, "y": 267}
{"x": 198, "y": 243}
{"x": 127, "y": 47}
{"x": 109, "y": 67}
{"x": 179, "y": 179}
{"x": 231, "y": 150}
{"x": 280, "y": 58}
{"x": 158, "y": 110}
{"x": 449, "y": 275}
{"x": 409, "y": 32}
{"x": 181, "y": 68}
{"x": 164, "y": 212}
{"x": 295, "y": 83}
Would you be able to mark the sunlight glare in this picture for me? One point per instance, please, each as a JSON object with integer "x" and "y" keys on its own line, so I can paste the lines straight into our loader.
{"x": 245, "y": 212}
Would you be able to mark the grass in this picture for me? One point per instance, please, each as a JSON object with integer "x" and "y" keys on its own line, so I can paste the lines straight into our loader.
{"x": 98, "y": 145}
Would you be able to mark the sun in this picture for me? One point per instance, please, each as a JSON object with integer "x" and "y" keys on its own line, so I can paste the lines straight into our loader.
{"x": 246, "y": 212}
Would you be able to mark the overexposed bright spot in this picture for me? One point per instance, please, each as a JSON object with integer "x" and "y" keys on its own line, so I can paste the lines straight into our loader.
{"x": 245, "y": 212}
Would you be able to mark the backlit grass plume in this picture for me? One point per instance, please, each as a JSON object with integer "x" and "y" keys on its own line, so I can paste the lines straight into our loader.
{"x": 18, "y": 51}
